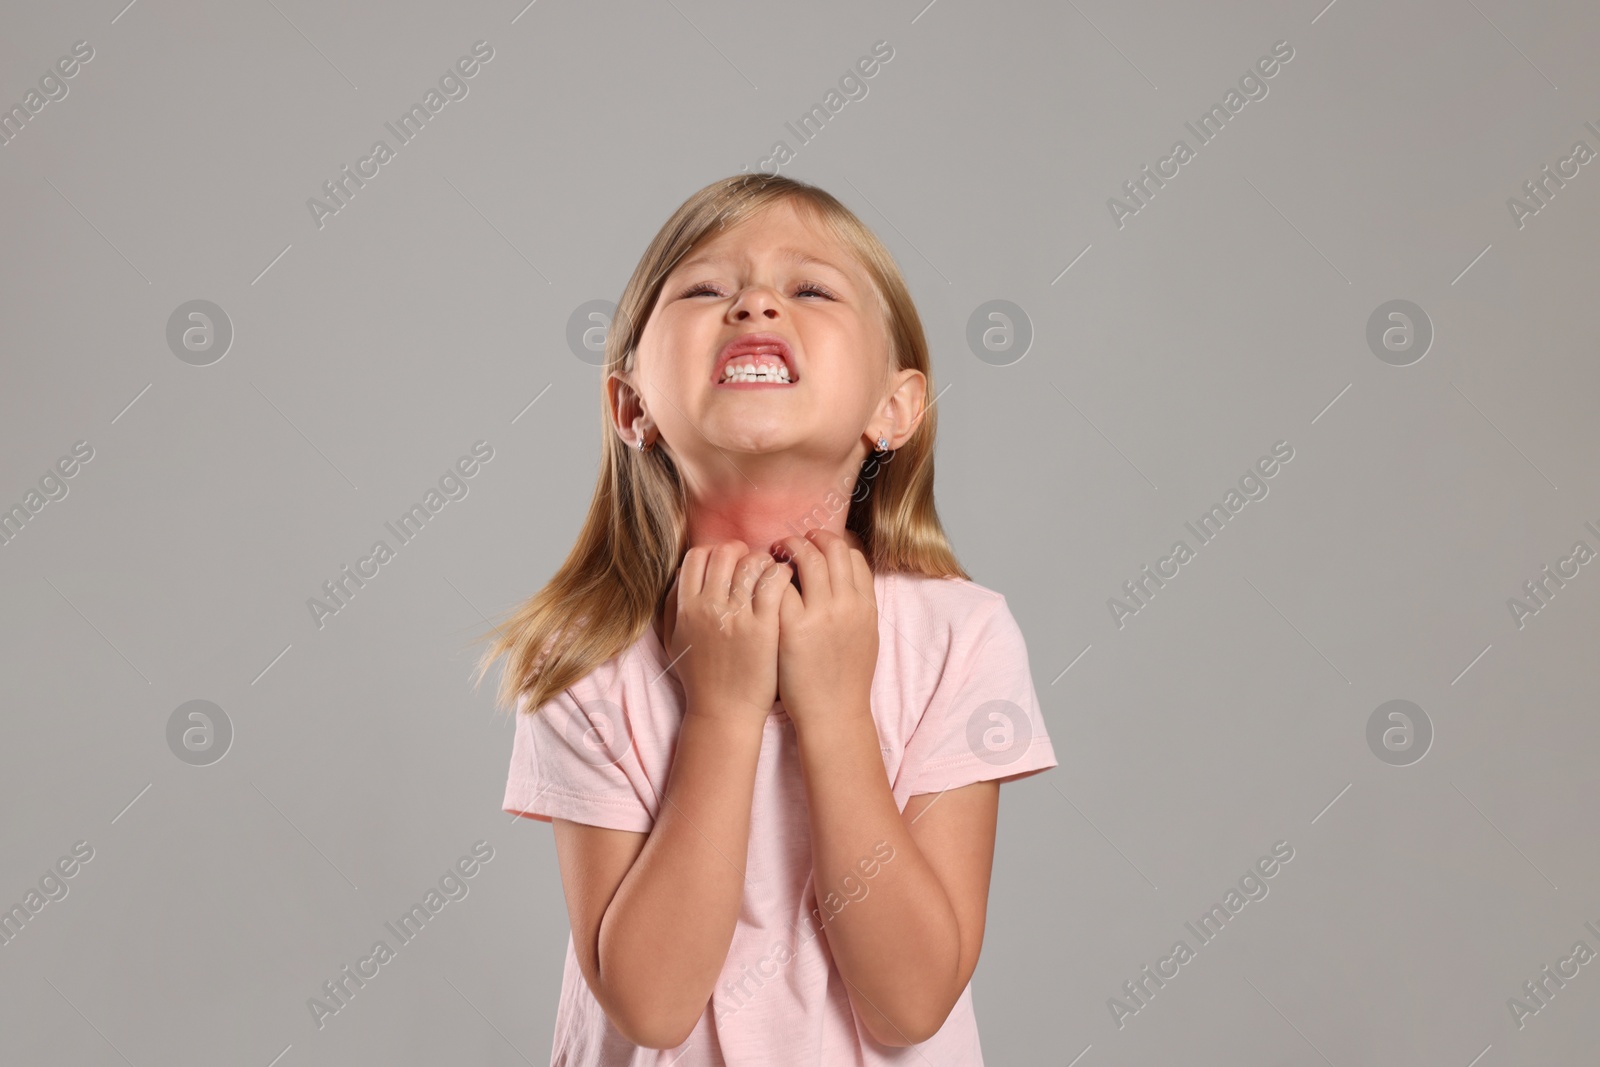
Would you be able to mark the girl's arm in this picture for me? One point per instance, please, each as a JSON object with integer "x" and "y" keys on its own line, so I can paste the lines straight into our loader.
{"x": 908, "y": 946}
{"x": 653, "y": 915}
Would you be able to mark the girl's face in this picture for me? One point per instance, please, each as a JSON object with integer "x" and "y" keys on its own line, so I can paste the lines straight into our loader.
{"x": 776, "y": 273}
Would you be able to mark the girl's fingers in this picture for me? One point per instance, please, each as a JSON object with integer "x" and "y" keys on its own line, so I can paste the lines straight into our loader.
{"x": 770, "y": 586}
{"x": 790, "y": 605}
{"x": 861, "y": 570}
{"x": 836, "y": 551}
{"x": 812, "y": 565}
{"x": 719, "y": 572}
{"x": 693, "y": 571}
{"x": 670, "y": 622}
{"x": 745, "y": 577}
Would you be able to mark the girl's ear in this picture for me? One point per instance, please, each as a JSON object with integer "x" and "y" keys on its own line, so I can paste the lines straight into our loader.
{"x": 902, "y": 408}
{"x": 629, "y": 417}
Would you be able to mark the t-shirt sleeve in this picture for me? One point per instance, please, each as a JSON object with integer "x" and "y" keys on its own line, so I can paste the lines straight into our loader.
{"x": 983, "y": 721}
{"x": 575, "y": 759}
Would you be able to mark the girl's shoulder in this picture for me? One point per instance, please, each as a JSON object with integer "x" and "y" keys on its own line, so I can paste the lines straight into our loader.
{"x": 943, "y": 619}
{"x": 941, "y": 598}
{"x": 627, "y": 669}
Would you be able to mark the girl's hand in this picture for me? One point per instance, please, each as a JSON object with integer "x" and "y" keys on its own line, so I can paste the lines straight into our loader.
{"x": 722, "y": 629}
{"x": 827, "y": 631}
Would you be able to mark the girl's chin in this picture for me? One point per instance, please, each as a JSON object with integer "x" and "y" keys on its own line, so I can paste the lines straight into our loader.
{"x": 750, "y": 439}
{"x": 750, "y": 448}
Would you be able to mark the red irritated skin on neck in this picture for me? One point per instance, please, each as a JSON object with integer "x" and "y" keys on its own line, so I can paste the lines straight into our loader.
{"x": 761, "y": 461}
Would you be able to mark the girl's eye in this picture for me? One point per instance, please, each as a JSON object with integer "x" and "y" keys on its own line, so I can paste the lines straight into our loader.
{"x": 804, "y": 287}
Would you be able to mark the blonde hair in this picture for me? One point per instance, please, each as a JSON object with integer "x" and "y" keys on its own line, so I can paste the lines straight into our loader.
{"x": 618, "y": 574}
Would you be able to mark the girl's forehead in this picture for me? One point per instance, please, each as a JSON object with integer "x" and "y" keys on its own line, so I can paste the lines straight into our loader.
{"x": 835, "y": 259}
{"x": 735, "y": 249}
{"x": 755, "y": 233}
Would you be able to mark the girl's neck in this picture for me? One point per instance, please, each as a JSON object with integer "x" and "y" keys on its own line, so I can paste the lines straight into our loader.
{"x": 763, "y": 537}
{"x": 771, "y": 508}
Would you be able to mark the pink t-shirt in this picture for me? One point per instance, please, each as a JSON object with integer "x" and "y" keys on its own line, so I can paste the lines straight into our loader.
{"x": 954, "y": 704}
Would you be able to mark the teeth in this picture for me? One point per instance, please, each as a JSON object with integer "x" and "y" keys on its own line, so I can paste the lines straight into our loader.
{"x": 752, "y": 372}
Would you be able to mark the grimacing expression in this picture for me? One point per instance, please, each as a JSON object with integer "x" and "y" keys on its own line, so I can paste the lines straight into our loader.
{"x": 783, "y": 273}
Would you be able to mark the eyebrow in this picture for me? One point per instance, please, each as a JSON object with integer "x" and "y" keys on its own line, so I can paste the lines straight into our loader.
{"x": 787, "y": 255}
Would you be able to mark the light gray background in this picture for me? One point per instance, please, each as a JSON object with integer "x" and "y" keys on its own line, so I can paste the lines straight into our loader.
{"x": 1229, "y": 314}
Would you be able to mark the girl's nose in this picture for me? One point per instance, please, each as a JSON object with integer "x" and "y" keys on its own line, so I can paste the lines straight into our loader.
{"x": 755, "y": 300}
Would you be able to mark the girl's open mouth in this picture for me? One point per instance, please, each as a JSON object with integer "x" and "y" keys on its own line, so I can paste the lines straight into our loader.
{"x": 756, "y": 381}
{"x": 755, "y": 360}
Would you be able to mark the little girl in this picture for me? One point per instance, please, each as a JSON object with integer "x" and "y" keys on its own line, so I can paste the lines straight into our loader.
{"x": 763, "y": 707}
